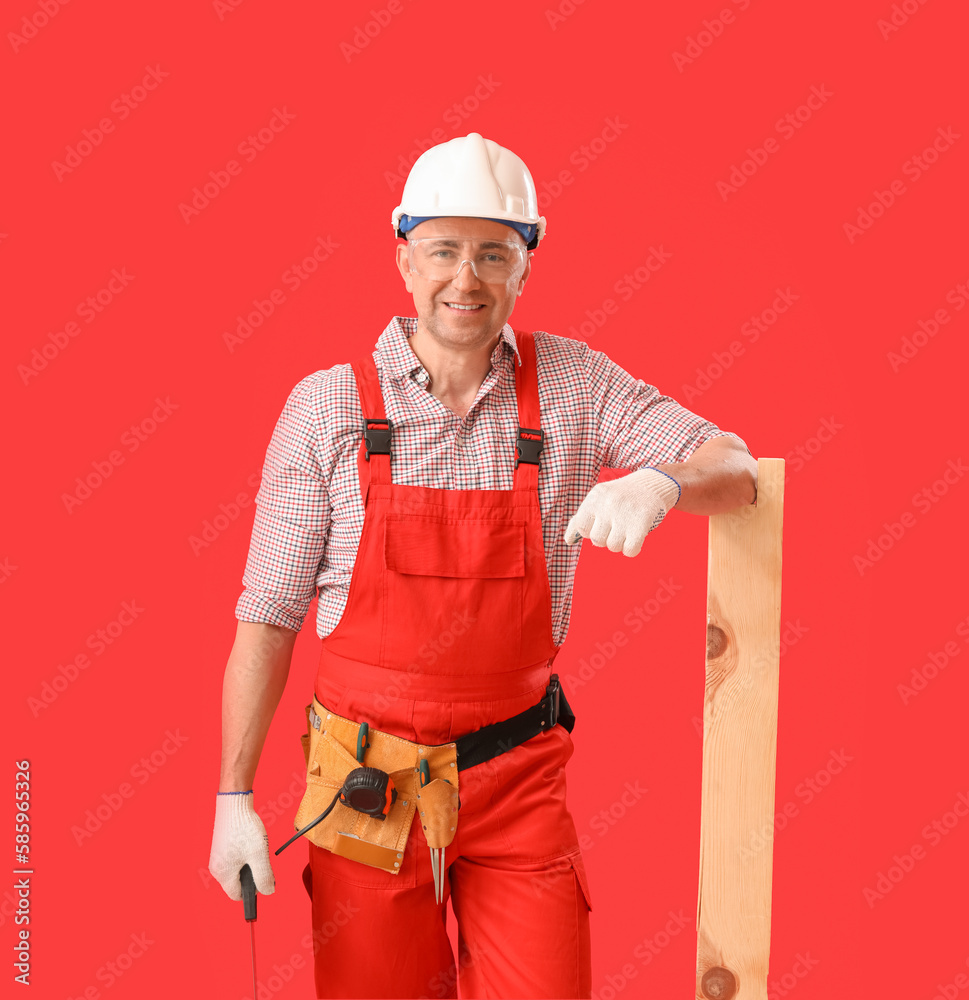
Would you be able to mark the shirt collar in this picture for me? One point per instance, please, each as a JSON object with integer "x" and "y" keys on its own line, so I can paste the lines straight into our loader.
{"x": 399, "y": 361}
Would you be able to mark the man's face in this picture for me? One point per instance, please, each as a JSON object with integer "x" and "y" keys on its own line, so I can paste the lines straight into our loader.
{"x": 438, "y": 302}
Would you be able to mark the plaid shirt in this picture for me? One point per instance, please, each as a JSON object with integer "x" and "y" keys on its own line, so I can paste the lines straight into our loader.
{"x": 309, "y": 512}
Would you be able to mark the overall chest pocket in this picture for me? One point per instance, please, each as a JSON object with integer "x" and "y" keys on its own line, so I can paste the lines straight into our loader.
{"x": 453, "y": 592}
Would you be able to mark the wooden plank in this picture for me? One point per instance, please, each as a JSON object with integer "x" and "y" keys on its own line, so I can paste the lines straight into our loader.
{"x": 739, "y": 744}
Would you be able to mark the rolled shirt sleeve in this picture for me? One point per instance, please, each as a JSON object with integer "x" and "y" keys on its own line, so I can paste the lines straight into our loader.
{"x": 292, "y": 518}
{"x": 638, "y": 426}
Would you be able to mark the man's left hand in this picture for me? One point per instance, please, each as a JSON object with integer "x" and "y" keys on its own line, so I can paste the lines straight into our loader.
{"x": 620, "y": 514}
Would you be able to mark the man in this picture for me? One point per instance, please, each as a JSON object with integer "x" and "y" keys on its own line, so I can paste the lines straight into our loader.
{"x": 435, "y": 494}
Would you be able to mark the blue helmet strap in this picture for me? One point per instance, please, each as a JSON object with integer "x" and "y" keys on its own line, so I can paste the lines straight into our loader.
{"x": 526, "y": 229}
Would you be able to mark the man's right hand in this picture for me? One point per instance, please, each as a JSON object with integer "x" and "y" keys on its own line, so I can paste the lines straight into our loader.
{"x": 239, "y": 839}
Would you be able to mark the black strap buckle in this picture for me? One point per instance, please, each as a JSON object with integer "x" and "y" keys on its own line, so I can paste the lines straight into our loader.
{"x": 529, "y": 445}
{"x": 553, "y": 693}
{"x": 376, "y": 438}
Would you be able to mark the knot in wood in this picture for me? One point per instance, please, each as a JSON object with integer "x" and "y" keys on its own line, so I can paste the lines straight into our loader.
{"x": 718, "y": 983}
{"x": 716, "y": 641}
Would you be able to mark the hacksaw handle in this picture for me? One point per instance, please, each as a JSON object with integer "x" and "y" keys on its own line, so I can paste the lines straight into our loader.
{"x": 248, "y": 892}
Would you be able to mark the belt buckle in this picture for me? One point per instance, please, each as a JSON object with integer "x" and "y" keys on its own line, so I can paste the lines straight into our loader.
{"x": 552, "y": 692}
{"x": 529, "y": 445}
{"x": 377, "y": 437}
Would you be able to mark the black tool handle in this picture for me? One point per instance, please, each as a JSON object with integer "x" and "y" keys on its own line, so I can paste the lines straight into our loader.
{"x": 248, "y": 892}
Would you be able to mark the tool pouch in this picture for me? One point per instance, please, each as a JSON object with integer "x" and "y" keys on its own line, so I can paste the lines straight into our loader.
{"x": 437, "y": 803}
{"x": 330, "y": 754}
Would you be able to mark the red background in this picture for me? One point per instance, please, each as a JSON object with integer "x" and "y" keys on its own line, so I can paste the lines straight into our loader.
{"x": 859, "y": 631}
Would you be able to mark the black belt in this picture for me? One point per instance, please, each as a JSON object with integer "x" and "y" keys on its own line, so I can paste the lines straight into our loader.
{"x": 500, "y": 737}
{"x": 490, "y": 741}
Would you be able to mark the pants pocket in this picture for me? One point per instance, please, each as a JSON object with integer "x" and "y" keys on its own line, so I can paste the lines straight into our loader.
{"x": 578, "y": 867}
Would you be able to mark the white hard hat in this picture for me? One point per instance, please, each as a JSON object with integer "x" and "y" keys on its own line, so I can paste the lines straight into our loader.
{"x": 475, "y": 177}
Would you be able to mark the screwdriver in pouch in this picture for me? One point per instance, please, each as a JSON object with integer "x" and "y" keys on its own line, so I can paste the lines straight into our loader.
{"x": 249, "y": 907}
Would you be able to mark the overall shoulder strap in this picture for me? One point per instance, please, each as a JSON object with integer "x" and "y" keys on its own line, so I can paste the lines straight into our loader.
{"x": 531, "y": 437}
{"x": 373, "y": 456}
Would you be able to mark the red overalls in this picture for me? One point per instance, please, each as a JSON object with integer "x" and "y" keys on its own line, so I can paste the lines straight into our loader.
{"x": 447, "y": 628}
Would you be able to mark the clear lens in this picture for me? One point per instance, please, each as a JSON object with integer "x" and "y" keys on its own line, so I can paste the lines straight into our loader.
{"x": 440, "y": 258}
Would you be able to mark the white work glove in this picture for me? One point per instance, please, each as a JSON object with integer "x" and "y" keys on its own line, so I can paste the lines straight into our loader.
{"x": 239, "y": 838}
{"x": 620, "y": 514}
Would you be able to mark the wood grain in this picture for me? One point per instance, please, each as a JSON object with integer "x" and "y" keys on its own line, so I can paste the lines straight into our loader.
{"x": 739, "y": 744}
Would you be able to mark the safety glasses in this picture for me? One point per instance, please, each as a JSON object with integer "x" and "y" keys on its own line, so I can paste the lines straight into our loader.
{"x": 440, "y": 258}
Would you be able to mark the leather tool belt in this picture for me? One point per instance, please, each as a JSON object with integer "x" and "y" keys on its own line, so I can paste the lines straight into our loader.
{"x": 332, "y": 749}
